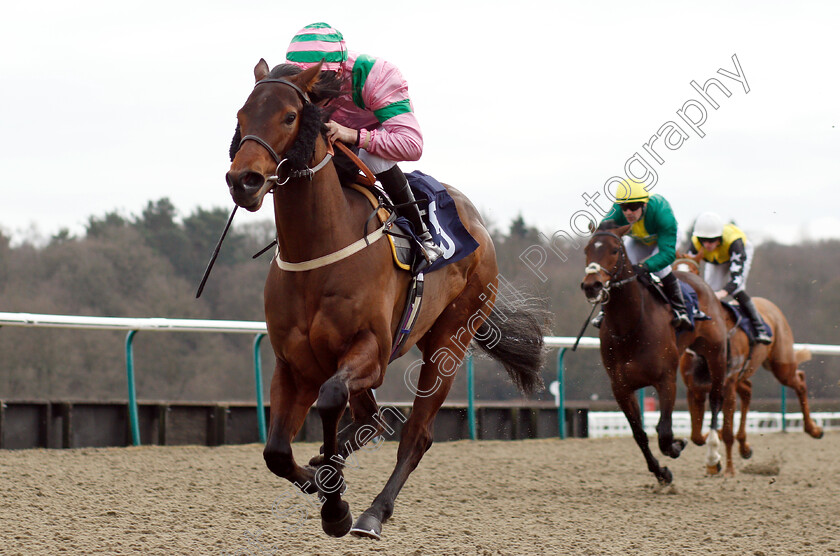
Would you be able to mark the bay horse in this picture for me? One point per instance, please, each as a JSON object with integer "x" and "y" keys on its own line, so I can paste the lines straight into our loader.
{"x": 639, "y": 345}
{"x": 780, "y": 357}
{"x": 332, "y": 325}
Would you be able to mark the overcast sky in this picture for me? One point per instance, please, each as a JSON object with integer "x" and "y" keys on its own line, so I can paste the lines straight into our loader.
{"x": 525, "y": 107}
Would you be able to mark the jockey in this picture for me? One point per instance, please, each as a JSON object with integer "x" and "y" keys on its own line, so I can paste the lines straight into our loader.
{"x": 651, "y": 242}
{"x": 728, "y": 255}
{"x": 372, "y": 112}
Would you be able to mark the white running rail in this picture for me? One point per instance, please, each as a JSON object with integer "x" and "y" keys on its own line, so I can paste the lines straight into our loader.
{"x": 603, "y": 424}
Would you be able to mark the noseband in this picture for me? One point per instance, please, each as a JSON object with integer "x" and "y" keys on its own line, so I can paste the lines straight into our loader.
{"x": 306, "y": 172}
{"x": 595, "y": 268}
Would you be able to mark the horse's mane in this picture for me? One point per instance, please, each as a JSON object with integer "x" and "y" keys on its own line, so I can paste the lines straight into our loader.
{"x": 312, "y": 116}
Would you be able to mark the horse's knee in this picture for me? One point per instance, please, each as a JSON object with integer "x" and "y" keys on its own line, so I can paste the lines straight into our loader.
{"x": 332, "y": 397}
{"x": 279, "y": 459}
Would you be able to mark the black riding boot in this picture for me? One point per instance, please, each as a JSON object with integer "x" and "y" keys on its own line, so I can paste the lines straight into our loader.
{"x": 675, "y": 297}
{"x": 396, "y": 186}
{"x": 762, "y": 336}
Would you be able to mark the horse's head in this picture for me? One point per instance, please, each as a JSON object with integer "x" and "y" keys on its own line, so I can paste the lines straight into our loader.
{"x": 605, "y": 261}
{"x": 686, "y": 262}
{"x": 276, "y": 132}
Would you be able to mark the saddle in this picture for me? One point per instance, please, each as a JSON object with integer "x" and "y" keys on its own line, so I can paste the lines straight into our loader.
{"x": 692, "y": 303}
{"x": 743, "y": 321}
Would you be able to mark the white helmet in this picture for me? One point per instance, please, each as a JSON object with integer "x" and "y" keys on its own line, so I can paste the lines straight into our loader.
{"x": 708, "y": 224}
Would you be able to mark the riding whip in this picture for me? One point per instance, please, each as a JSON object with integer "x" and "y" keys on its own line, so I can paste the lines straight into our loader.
{"x": 215, "y": 253}
{"x": 585, "y": 324}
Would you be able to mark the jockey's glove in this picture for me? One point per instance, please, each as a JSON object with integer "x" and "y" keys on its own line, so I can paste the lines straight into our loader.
{"x": 641, "y": 270}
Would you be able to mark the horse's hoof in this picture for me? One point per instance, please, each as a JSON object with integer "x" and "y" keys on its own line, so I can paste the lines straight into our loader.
{"x": 341, "y": 526}
{"x": 665, "y": 477}
{"x": 367, "y": 526}
{"x": 746, "y": 454}
{"x": 713, "y": 470}
{"x": 317, "y": 461}
{"x": 818, "y": 434}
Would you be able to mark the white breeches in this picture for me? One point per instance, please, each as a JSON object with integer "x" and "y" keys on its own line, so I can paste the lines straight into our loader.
{"x": 376, "y": 164}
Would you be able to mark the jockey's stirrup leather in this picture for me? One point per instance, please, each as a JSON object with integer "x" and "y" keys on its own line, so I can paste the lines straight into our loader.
{"x": 396, "y": 186}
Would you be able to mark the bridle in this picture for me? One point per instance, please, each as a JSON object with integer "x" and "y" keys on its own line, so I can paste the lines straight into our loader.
{"x": 274, "y": 180}
{"x": 595, "y": 268}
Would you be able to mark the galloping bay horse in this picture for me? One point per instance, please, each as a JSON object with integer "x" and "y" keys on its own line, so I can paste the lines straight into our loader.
{"x": 639, "y": 345}
{"x": 780, "y": 357}
{"x": 332, "y": 327}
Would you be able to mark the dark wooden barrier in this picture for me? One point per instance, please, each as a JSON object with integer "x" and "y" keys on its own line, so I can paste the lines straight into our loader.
{"x": 81, "y": 424}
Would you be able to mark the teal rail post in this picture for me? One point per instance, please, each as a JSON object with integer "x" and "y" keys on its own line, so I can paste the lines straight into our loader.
{"x": 784, "y": 408}
{"x": 641, "y": 393}
{"x": 561, "y": 396}
{"x": 471, "y": 396}
{"x": 132, "y": 392}
{"x": 258, "y": 379}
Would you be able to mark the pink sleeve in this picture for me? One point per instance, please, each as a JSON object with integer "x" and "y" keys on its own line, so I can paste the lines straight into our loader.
{"x": 399, "y": 136}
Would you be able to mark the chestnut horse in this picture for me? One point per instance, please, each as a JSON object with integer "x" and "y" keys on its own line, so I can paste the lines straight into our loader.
{"x": 639, "y": 345}
{"x": 332, "y": 317}
{"x": 780, "y": 357}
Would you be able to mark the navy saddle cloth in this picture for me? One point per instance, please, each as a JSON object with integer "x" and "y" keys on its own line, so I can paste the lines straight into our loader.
{"x": 744, "y": 321}
{"x": 441, "y": 216}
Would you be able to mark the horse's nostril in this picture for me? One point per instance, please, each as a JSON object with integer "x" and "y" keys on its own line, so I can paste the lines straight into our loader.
{"x": 253, "y": 180}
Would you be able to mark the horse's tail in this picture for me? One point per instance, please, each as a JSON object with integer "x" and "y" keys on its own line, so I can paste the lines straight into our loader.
{"x": 513, "y": 336}
{"x": 802, "y": 355}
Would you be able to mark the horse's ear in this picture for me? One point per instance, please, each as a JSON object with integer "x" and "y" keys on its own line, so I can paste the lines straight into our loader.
{"x": 622, "y": 230}
{"x": 261, "y": 70}
{"x": 591, "y": 227}
{"x": 308, "y": 77}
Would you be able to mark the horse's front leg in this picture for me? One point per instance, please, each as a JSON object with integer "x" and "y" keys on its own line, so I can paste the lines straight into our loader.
{"x": 744, "y": 389}
{"x": 695, "y": 395}
{"x": 630, "y": 406}
{"x": 289, "y": 405}
{"x": 367, "y": 424}
{"x": 727, "y": 431}
{"x": 716, "y": 359}
{"x": 359, "y": 369}
{"x": 667, "y": 390}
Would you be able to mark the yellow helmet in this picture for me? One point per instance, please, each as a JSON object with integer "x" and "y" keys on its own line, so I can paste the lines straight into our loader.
{"x": 631, "y": 191}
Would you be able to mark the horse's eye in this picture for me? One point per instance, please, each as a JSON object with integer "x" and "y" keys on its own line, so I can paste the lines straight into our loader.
{"x": 290, "y": 118}
{"x": 615, "y": 251}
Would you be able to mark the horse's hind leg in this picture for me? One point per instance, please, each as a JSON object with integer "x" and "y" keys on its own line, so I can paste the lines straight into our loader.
{"x": 790, "y": 376}
{"x": 442, "y": 357}
{"x": 630, "y": 406}
{"x": 744, "y": 389}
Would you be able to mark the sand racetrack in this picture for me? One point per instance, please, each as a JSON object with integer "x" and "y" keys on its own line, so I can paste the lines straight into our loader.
{"x": 576, "y": 496}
